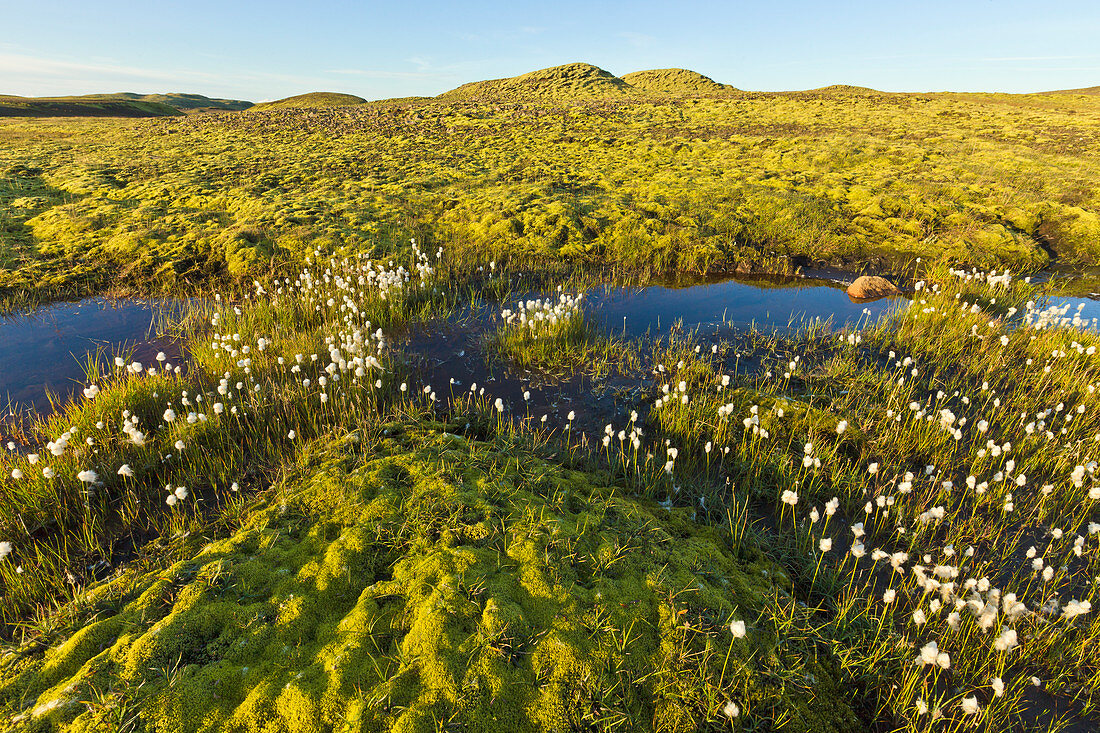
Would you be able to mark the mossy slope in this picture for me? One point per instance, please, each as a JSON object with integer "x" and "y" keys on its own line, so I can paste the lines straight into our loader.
{"x": 675, "y": 81}
{"x": 426, "y": 581}
{"x": 569, "y": 81}
{"x": 312, "y": 99}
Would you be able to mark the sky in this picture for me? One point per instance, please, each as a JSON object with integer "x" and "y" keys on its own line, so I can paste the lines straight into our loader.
{"x": 268, "y": 50}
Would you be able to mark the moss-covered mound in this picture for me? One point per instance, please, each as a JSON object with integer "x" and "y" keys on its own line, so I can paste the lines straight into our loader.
{"x": 425, "y": 582}
{"x": 841, "y": 89}
{"x": 569, "y": 81}
{"x": 312, "y": 99}
{"x": 674, "y": 81}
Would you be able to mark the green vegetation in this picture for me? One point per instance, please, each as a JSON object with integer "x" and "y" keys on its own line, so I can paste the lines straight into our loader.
{"x": 298, "y": 531}
{"x": 675, "y": 81}
{"x": 563, "y": 83}
{"x": 889, "y": 528}
{"x": 634, "y": 186}
{"x": 105, "y": 105}
{"x": 312, "y": 100}
{"x": 405, "y": 582}
{"x": 554, "y": 338}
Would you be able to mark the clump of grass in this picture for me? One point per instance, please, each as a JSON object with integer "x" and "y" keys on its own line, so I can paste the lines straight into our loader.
{"x": 553, "y": 336}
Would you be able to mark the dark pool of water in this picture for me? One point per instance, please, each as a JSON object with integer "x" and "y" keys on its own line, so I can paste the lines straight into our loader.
{"x": 45, "y": 351}
{"x": 769, "y": 304}
{"x": 451, "y": 356}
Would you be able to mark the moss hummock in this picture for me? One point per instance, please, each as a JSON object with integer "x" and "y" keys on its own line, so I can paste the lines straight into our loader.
{"x": 423, "y": 581}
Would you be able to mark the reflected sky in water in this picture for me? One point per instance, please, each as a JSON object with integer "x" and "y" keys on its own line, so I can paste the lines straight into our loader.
{"x": 46, "y": 350}
{"x": 769, "y": 304}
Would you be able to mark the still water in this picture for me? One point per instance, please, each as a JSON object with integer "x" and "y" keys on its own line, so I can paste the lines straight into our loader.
{"x": 45, "y": 351}
{"x": 771, "y": 304}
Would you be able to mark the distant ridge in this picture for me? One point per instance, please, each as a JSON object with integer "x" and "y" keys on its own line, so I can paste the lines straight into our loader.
{"x": 117, "y": 104}
{"x": 675, "y": 81}
{"x": 1082, "y": 90}
{"x": 569, "y": 81}
{"x": 312, "y": 99}
{"x": 839, "y": 89}
{"x": 184, "y": 102}
{"x": 95, "y": 105}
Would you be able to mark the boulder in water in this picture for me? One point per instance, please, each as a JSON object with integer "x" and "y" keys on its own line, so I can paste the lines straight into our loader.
{"x": 869, "y": 287}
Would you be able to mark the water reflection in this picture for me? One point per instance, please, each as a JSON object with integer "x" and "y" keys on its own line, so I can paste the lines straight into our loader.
{"x": 772, "y": 304}
{"x": 46, "y": 350}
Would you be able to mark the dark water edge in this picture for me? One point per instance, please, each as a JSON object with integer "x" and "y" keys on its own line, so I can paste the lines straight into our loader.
{"x": 43, "y": 353}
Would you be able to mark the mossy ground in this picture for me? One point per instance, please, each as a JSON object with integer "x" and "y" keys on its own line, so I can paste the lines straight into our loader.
{"x": 416, "y": 580}
{"x": 634, "y": 185}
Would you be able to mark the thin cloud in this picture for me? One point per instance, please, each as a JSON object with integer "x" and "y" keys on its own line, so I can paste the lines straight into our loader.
{"x": 1037, "y": 58}
{"x": 379, "y": 74}
{"x": 45, "y": 75}
{"x": 37, "y": 66}
{"x": 637, "y": 40}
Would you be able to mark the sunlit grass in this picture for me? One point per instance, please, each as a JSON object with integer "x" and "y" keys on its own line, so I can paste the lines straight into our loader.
{"x": 922, "y": 489}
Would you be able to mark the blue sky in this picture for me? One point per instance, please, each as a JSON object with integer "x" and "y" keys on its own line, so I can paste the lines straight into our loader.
{"x": 267, "y": 50}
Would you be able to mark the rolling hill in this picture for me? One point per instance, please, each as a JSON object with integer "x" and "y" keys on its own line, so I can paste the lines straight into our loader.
{"x": 675, "y": 81}
{"x": 118, "y": 104}
{"x": 570, "y": 81}
{"x": 1082, "y": 90}
{"x": 312, "y": 99}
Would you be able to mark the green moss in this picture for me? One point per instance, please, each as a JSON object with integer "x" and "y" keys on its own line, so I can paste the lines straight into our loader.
{"x": 311, "y": 99}
{"x": 674, "y": 81}
{"x": 431, "y": 580}
{"x": 567, "y": 164}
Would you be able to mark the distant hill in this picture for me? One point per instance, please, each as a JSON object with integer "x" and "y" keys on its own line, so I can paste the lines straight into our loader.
{"x": 675, "y": 81}
{"x": 312, "y": 99}
{"x": 1083, "y": 90}
{"x": 570, "y": 81}
{"x": 183, "y": 102}
{"x": 399, "y": 101}
{"x": 118, "y": 104}
{"x": 839, "y": 89}
{"x": 90, "y": 106}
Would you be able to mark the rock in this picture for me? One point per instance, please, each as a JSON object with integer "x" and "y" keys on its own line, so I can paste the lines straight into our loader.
{"x": 868, "y": 287}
